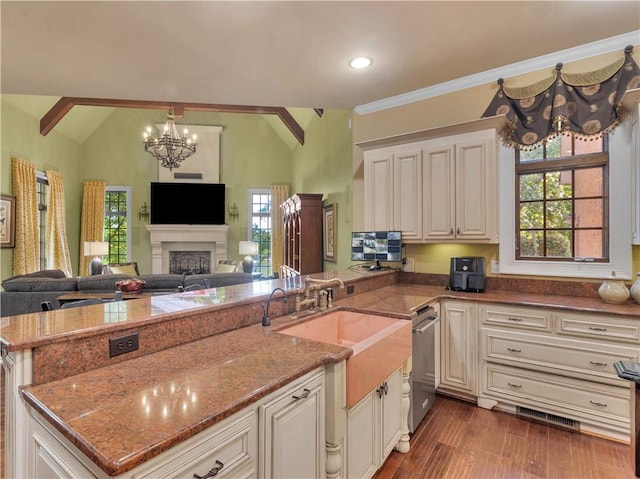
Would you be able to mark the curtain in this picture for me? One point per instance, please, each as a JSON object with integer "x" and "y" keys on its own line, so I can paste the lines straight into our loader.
{"x": 26, "y": 255}
{"x": 58, "y": 256}
{"x": 279, "y": 193}
{"x": 92, "y": 226}
{"x": 585, "y": 105}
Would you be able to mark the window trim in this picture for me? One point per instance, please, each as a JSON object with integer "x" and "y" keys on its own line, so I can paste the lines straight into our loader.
{"x": 620, "y": 222}
{"x": 127, "y": 190}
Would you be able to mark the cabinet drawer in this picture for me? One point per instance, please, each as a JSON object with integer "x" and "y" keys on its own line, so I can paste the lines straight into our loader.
{"x": 231, "y": 448}
{"x": 586, "y": 325}
{"x": 571, "y": 397}
{"x": 515, "y": 317}
{"x": 590, "y": 360}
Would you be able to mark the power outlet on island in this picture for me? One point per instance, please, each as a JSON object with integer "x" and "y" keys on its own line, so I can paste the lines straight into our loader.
{"x": 124, "y": 344}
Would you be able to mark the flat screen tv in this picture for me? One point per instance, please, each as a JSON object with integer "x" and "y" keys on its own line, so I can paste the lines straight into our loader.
{"x": 376, "y": 246}
{"x": 187, "y": 204}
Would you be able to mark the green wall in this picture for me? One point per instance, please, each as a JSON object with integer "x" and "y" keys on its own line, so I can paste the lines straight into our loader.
{"x": 323, "y": 165}
{"x": 20, "y": 135}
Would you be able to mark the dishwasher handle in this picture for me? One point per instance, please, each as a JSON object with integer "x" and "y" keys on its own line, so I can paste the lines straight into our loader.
{"x": 426, "y": 324}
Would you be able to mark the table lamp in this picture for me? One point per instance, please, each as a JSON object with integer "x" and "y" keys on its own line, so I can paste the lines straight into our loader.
{"x": 249, "y": 248}
{"x": 96, "y": 249}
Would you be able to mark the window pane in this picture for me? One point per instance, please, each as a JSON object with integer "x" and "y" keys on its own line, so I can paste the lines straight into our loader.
{"x": 588, "y": 182}
{"x": 587, "y": 146}
{"x": 589, "y": 213}
{"x": 531, "y": 243}
{"x": 558, "y": 184}
{"x": 559, "y": 244}
{"x": 558, "y": 214}
{"x": 589, "y": 244}
{"x": 530, "y": 155}
{"x": 554, "y": 147}
{"x": 532, "y": 215}
{"x": 531, "y": 187}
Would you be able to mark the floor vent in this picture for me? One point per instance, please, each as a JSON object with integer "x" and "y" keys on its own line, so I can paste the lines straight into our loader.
{"x": 549, "y": 419}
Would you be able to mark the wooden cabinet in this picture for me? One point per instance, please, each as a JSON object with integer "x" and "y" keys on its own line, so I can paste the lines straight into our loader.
{"x": 438, "y": 189}
{"x": 292, "y": 432}
{"x": 374, "y": 427}
{"x": 460, "y": 188}
{"x": 558, "y": 364}
{"x": 458, "y": 348}
{"x": 302, "y": 218}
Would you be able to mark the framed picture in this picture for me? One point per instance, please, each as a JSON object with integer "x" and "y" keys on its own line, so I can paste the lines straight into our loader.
{"x": 7, "y": 221}
{"x": 329, "y": 227}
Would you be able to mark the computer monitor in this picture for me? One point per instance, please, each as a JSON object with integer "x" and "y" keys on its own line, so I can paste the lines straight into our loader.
{"x": 376, "y": 246}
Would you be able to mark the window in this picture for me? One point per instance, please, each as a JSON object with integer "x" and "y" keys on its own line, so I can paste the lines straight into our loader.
{"x": 117, "y": 223}
{"x": 259, "y": 228}
{"x": 562, "y": 195}
{"x": 557, "y": 214}
{"x": 42, "y": 191}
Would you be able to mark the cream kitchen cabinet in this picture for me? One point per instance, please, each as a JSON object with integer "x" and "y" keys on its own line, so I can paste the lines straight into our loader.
{"x": 437, "y": 189}
{"x": 374, "y": 427}
{"x": 558, "y": 365}
{"x": 286, "y": 429}
{"x": 292, "y": 432}
{"x": 458, "y": 348}
{"x": 460, "y": 188}
{"x": 393, "y": 190}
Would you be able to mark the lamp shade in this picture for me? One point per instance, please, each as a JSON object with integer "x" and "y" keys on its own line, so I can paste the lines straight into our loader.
{"x": 248, "y": 247}
{"x": 96, "y": 248}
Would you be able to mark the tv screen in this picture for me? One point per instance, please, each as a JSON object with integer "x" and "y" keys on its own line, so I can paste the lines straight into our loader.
{"x": 376, "y": 246}
{"x": 187, "y": 204}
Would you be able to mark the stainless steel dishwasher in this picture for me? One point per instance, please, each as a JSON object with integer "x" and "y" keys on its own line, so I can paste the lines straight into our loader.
{"x": 423, "y": 374}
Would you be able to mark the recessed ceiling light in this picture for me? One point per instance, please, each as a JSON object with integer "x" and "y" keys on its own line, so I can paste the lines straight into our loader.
{"x": 360, "y": 62}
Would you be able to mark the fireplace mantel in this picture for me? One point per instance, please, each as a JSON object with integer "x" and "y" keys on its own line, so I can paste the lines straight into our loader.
{"x": 165, "y": 238}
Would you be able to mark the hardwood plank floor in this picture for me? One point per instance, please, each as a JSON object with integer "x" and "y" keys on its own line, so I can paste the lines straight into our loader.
{"x": 458, "y": 440}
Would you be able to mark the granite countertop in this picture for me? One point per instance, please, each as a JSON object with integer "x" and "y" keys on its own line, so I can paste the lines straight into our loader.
{"x": 124, "y": 414}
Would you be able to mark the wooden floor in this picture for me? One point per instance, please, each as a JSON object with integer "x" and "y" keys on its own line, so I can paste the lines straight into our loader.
{"x": 459, "y": 440}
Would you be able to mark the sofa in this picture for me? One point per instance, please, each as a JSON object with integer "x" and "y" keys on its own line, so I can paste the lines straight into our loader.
{"x": 25, "y": 293}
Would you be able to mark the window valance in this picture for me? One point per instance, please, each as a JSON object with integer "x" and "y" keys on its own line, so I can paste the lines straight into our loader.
{"x": 580, "y": 104}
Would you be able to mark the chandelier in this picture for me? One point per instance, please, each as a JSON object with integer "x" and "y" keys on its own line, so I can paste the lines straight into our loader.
{"x": 170, "y": 148}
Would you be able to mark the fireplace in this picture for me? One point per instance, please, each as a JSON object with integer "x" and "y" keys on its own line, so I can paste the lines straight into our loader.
{"x": 189, "y": 262}
{"x": 205, "y": 241}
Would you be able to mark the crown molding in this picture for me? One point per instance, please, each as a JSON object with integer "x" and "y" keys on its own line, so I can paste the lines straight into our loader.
{"x": 581, "y": 52}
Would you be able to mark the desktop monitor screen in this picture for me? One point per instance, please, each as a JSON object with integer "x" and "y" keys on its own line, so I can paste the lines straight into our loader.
{"x": 376, "y": 246}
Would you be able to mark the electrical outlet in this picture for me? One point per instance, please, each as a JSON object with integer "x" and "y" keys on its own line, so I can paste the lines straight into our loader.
{"x": 124, "y": 344}
{"x": 409, "y": 266}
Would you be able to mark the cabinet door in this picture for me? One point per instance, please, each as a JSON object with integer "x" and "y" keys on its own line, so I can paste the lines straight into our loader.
{"x": 407, "y": 194}
{"x": 294, "y": 433}
{"x": 458, "y": 333}
{"x": 391, "y": 414}
{"x": 378, "y": 191}
{"x": 476, "y": 191}
{"x": 438, "y": 208}
{"x": 363, "y": 437}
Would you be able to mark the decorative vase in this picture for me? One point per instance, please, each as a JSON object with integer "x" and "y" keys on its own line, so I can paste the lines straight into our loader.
{"x": 635, "y": 289}
{"x": 613, "y": 290}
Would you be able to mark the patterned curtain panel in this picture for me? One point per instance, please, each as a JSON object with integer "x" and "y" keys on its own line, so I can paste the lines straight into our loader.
{"x": 279, "y": 193}
{"x": 58, "y": 256}
{"x": 581, "y": 104}
{"x": 92, "y": 226}
{"x": 26, "y": 255}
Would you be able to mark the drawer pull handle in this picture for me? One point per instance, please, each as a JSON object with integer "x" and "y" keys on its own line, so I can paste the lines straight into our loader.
{"x": 517, "y": 386}
{"x": 597, "y": 363}
{"x": 212, "y": 473}
{"x": 514, "y": 350}
{"x": 597, "y": 329}
{"x": 599, "y": 404}
{"x": 304, "y": 395}
{"x": 514, "y": 319}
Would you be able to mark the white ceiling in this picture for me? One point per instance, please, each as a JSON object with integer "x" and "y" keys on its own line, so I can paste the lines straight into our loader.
{"x": 273, "y": 53}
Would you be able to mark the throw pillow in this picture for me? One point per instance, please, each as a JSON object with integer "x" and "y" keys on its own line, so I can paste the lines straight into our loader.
{"x": 122, "y": 269}
{"x": 225, "y": 268}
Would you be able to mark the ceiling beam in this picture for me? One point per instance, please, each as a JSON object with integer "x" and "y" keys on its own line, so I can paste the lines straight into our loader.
{"x": 65, "y": 104}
